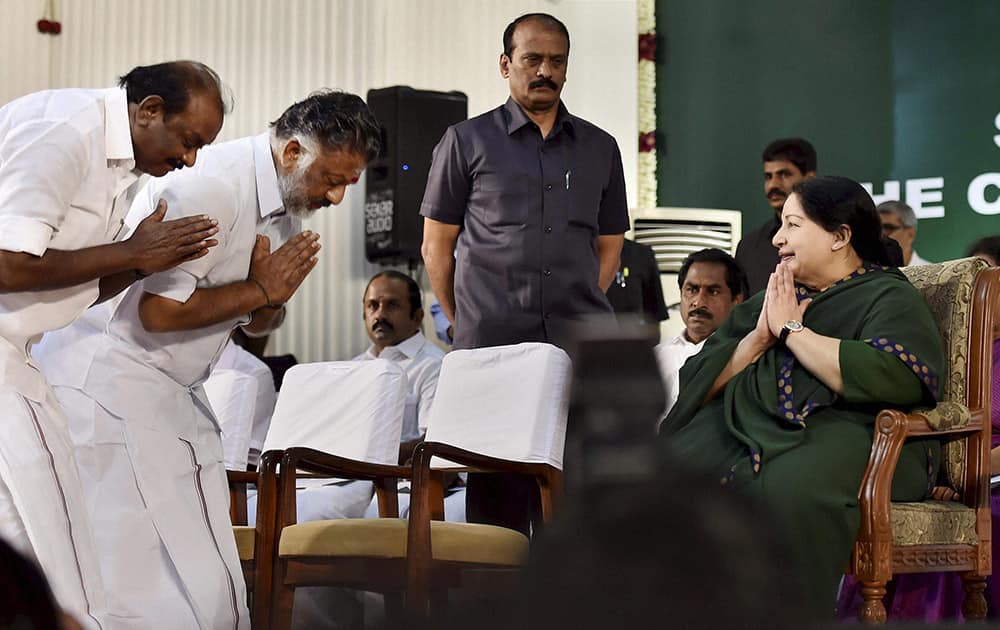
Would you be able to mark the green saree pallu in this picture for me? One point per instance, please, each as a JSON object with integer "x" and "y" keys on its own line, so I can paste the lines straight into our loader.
{"x": 781, "y": 436}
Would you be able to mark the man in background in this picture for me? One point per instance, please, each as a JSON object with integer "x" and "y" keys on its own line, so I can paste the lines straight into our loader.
{"x": 786, "y": 162}
{"x": 393, "y": 314}
{"x": 899, "y": 223}
{"x": 711, "y": 284}
{"x": 636, "y": 294}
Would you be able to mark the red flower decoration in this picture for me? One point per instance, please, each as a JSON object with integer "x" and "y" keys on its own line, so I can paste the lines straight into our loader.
{"x": 647, "y": 46}
{"x": 647, "y": 142}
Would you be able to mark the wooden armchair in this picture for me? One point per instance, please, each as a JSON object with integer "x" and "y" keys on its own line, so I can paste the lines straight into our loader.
{"x": 418, "y": 559}
{"x": 934, "y": 536}
{"x": 422, "y": 556}
{"x": 352, "y": 408}
{"x": 430, "y": 565}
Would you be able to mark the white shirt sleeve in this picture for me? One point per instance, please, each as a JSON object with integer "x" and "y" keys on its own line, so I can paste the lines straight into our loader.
{"x": 188, "y": 193}
{"x": 42, "y": 165}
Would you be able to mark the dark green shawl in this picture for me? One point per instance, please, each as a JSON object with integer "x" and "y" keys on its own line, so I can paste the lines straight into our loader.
{"x": 765, "y": 409}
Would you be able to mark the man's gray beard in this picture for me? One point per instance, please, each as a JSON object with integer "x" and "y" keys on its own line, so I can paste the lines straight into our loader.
{"x": 293, "y": 193}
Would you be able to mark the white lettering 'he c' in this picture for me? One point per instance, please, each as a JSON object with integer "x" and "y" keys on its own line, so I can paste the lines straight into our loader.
{"x": 976, "y": 194}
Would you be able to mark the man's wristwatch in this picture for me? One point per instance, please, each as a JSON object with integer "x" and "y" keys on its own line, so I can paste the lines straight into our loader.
{"x": 790, "y": 327}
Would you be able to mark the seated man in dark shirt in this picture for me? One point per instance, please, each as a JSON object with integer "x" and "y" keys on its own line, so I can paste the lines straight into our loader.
{"x": 786, "y": 162}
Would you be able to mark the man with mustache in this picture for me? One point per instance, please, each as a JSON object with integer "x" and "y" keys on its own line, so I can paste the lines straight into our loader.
{"x": 711, "y": 284}
{"x": 147, "y": 444}
{"x": 393, "y": 315}
{"x": 524, "y": 218}
{"x": 69, "y": 160}
{"x": 786, "y": 162}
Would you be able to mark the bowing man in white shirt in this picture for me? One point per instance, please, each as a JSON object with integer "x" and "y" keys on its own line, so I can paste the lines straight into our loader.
{"x": 711, "y": 283}
{"x": 147, "y": 444}
{"x": 68, "y": 162}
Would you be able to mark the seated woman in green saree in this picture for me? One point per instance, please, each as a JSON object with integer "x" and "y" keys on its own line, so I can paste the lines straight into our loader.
{"x": 781, "y": 401}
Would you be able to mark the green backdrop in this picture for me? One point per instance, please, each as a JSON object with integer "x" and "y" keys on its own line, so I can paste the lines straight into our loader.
{"x": 905, "y": 91}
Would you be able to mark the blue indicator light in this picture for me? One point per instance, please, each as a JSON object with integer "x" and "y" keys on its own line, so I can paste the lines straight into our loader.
{"x": 406, "y": 167}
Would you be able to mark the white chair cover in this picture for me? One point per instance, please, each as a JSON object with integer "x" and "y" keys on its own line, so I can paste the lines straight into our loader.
{"x": 351, "y": 409}
{"x": 232, "y": 395}
{"x": 509, "y": 402}
{"x": 233, "y": 357}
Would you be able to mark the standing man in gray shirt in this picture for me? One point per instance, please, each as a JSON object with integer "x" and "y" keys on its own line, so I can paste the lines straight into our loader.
{"x": 525, "y": 214}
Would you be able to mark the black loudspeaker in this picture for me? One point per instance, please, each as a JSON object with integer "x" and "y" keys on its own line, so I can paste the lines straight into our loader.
{"x": 413, "y": 122}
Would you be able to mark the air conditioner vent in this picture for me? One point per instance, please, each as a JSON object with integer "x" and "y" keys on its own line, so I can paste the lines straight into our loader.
{"x": 674, "y": 233}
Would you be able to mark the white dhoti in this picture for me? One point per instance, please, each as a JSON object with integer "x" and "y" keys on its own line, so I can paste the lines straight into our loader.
{"x": 42, "y": 512}
{"x": 150, "y": 461}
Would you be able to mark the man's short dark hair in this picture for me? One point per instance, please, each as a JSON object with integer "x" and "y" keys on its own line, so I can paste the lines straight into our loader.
{"x": 416, "y": 303}
{"x": 336, "y": 120}
{"x": 548, "y": 21}
{"x": 736, "y": 278}
{"x": 174, "y": 82}
{"x": 795, "y": 150}
{"x": 989, "y": 245}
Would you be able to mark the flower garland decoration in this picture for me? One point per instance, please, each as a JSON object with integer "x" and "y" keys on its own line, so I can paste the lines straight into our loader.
{"x": 647, "y": 103}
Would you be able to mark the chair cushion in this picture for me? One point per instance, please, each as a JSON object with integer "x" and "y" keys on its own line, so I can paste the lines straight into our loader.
{"x": 245, "y": 537}
{"x": 386, "y": 538}
{"x": 933, "y": 523}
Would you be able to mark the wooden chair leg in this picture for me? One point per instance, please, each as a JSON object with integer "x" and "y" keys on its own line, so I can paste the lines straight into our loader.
{"x": 283, "y": 600}
{"x": 974, "y": 604}
{"x": 872, "y": 609}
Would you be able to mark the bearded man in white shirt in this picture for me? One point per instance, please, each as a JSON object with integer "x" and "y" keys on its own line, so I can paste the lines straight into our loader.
{"x": 711, "y": 283}
{"x": 68, "y": 160}
{"x": 147, "y": 444}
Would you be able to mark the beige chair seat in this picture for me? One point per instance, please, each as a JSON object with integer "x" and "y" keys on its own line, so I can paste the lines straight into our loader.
{"x": 933, "y": 523}
{"x": 245, "y": 537}
{"x": 386, "y": 538}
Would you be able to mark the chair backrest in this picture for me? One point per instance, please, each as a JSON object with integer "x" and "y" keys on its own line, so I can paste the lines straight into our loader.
{"x": 949, "y": 290}
{"x": 232, "y": 395}
{"x": 508, "y": 402}
{"x": 353, "y": 409}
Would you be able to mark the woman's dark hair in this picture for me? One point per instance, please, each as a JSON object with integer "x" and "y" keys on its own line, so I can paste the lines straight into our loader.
{"x": 832, "y": 201}
{"x": 174, "y": 82}
{"x": 336, "y": 120}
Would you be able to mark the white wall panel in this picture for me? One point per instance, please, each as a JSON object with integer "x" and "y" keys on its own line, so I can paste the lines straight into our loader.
{"x": 24, "y": 52}
{"x": 271, "y": 53}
